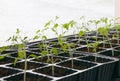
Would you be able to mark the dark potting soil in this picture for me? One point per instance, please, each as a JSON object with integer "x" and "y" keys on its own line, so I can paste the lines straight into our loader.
{"x": 109, "y": 53}
{"x": 35, "y": 50}
{"x": 7, "y": 52}
{"x": 81, "y": 42}
{"x": 115, "y": 41}
{"x": 118, "y": 48}
{"x": 59, "y": 72}
{"x": 71, "y": 38}
{"x": 30, "y": 65}
{"x": 80, "y": 65}
{"x": 98, "y": 60}
{"x": 101, "y": 36}
{"x": 72, "y": 45}
{"x": 6, "y": 72}
{"x": 104, "y": 45}
{"x": 37, "y": 45}
{"x": 93, "y": 39}
{"x": 6, "y": 60}
{"x": 85, "y": 49}
{"x": 27, "y": 54}
{"x": 68, "y": 55}
{"x": 46, "y": 60}
{"x": 29, "y": 77}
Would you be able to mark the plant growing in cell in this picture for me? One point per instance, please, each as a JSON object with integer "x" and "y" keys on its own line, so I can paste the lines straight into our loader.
{"x": 53, "y": 52}
{"x": 95, "y": 46}
{"x": 96, "y": 23}
{"x": 70, "y": 46}
{"x": 104, "y": 31}
{"x": 21, "y": 43}
{"x": 117, "y": 29}
{"x": 2, "y": 49}
{"x": 84, "y": 30}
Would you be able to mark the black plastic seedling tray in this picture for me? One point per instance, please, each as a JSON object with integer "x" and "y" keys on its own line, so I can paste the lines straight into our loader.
{"x": 85, "y": 68}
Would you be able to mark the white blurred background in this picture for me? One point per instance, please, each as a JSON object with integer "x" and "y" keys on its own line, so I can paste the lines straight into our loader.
{"x": 30, "y": 15}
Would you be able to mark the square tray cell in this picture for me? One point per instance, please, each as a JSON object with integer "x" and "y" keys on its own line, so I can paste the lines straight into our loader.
{"x": 46, "y": 60}
{"x": 37, "y": 45}
{"x": 7, "y": 72}
{"x": 27, "y": 54}
{"x": 117, "y": 48}
{"x": 30, "y": 65}
{"x": 85, "y": 49}
{"x": 6, "y": 60}
{"x": 29, "y": 77}
{"x": 98, "y": 59}
{"x": 109, "y": 53}
{"x": 36, "y": 50}
{"x": 77, "y": 64}
{"x": 115, "y": 41}
{"x": 106, "y": 45}
{"x": 89, "y": 38}
{"x": 59, "y": 71}
{"x": 7, "y": 52}
{"x": 80, "y": 42}
{"x": 58, "y": 46}
{"x": 68, "y": 55}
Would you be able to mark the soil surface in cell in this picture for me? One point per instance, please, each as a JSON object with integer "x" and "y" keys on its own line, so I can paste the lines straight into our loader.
{"x": 6, "y": 72}
{"x": 30, "y": 65}
{"x": 106, "y": 45}
{"x": 115, "y": 41}
{"x": 80, "y": 65}
{"x": 94, "y": 39}
{"x": 81, "y": 42}
{"x": 48, "y": 59}
{"x": 72, "y": 45}
{"x": 59, "y": 72}
{"x": 6, "y": 60}
{"x": 85, "y": 49}
{"x": 7, "y": 52}
{"x": 118, "y": 48}
{"x": 109, "y": 53}
{"x": 68, "y": 55}
{"x": 29, "y": 77}
{"x": 98, "y": 59}
{"x": 27, "y": 54}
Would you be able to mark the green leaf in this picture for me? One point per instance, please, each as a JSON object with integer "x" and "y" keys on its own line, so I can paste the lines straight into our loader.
{"x": 2, "y": 57}
{"x": 44, "y": 37}
{"x": 38, "y": 31}
{"x": 21, "y": 54}
{"x": 9, "y": 39}
{"x": 81, "y": 33}
{"x": 48, "y": 60}
{"x": 36, "y": 37}
{"x": 15, "y": 61}
{"x": 25, "y": 38}
{"x": 66, "y": 26}
{"x": 97, "y": 22}
{"x": 56, "y": 17}
{"x": 55, "y": 25}
{"x": 48, "y": 23}
{"x": 17, "y": 31}
{"x": 2, "y": 49}
{"x": 40, "y": 46}
{"x": 33, "y": 55}
{"x": 44, "y": 53}
{"x": 64, "y": 47}
{"x": 53, "y": 51}
{"x": 72, "y": 23}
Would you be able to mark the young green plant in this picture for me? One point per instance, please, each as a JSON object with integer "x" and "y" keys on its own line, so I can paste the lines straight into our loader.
{"x": 21, "y": 43}
{"x": 95, "y": 46}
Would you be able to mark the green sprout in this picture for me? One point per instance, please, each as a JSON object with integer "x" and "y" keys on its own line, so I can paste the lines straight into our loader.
{"x": 21, "y": 43}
